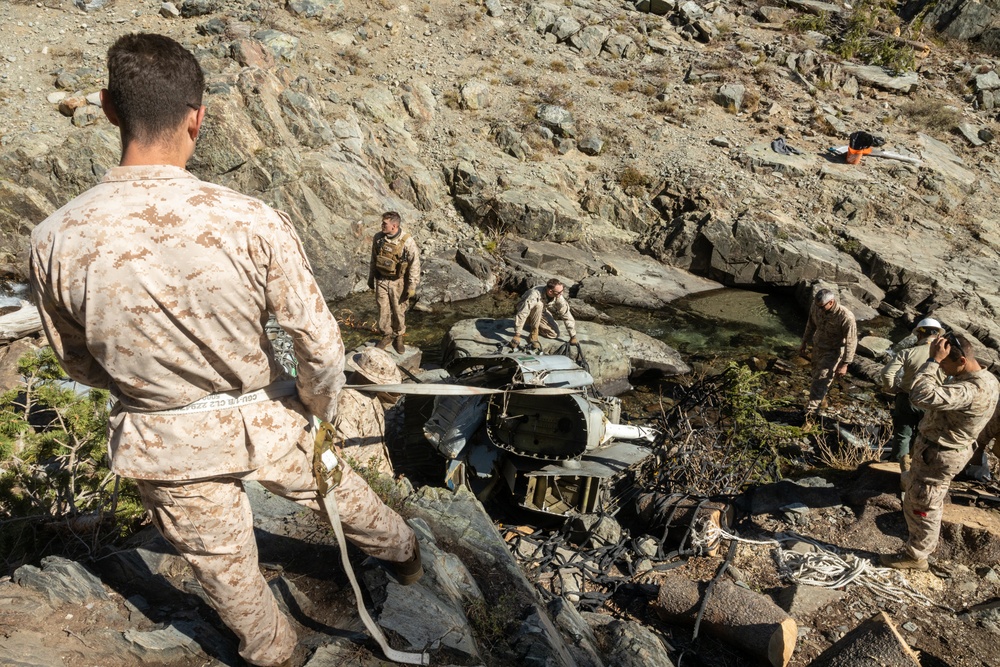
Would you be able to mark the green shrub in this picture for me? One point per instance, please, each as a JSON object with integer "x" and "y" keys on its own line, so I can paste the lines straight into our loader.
{"x": 53, "y": 474}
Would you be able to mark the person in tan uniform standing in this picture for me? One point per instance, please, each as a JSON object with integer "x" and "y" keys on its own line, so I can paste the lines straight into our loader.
{"x": 361, "y": 415}
{"x": 897, "y": 378}
{"x": 156, "y": 285}
{"x": 956, "y": 411}
{"x": 834, "y": 336}
{"x": 537, "y": 311}
{"x": 394, "y": 273}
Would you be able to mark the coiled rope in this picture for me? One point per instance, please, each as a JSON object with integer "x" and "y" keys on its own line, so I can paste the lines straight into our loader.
{"x": 825, "y": 567}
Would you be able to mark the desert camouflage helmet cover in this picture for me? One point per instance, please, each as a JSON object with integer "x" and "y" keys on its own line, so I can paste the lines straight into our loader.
{"x": 376, "y": 365}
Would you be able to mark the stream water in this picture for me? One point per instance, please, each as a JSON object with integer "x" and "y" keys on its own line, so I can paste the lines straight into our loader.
{"x": 722, "y": 324}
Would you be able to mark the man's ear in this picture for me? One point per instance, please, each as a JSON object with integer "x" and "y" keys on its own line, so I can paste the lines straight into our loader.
{"x": 194, "y": 122}
{"x": 109, "y": 107}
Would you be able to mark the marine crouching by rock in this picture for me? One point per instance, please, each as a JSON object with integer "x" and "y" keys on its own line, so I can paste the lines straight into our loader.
{"x": 537, "y": 312}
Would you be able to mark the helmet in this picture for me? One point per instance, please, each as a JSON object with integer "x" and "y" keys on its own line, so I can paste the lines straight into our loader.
{"x": 377, "y": 365}
{"x": 929, "y": 325}
{"x": 825, "y": 296}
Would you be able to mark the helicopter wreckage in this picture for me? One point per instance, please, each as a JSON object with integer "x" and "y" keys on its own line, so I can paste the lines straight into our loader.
{"x": 532, "y": 423}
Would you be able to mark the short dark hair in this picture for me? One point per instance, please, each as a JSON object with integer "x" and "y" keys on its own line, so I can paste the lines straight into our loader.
{"x": 960, "y": 347}
{"x": 553, "y": 283}
{"x": 153, "y": 82}
{"x": 392, "y": 216}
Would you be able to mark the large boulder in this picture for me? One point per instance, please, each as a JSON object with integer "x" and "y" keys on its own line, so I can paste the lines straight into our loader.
{"x": 613, "y": 353}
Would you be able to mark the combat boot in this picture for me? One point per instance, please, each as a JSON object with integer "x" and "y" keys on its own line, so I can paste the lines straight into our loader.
{"x": 384, "y": 343}
{"x": 398, "y": 345}
{"x": 409, "y": 571}
{"x": 901, "y": 561}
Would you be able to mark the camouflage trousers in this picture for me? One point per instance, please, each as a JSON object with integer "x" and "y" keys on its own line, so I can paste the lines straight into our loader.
{"x": 926, "y": 485}
{"x": 824, "y": 372}
{"x": 542, "y": 321}
{"x": 210, "y": 523}
{"x": 391, "y": 313}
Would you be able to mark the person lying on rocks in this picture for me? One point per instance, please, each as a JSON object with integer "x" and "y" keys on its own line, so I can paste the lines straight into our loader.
{"x": 834, "y": 335}
{"x": 956, "y": 410}
{"x": 538, "y": 310}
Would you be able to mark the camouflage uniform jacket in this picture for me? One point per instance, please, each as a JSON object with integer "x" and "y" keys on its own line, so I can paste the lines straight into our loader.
{"x": 898, "y": 374}
{"x": 408, "y": 254}
{"x": 536, "y": 297}
{"x": 832, "y": 330}
{"x": 157, "y": 286}
{"x": 957, "y": 410}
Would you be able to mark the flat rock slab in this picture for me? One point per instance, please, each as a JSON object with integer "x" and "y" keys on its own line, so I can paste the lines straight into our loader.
{"x": 642, "y": 282}
{"x": 845, "y": 173}
{"x": 802, "y": 601}
{"x": 762, "y": 158}
{"x": 877, "y": 77}
{"x": 938, "y": 156}
{"x": 63, "y": 581}
{"x": 815, "y": 7}
{"x": 973, "y": 517}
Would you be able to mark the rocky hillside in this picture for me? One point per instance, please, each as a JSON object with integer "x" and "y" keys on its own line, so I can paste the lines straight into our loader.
{"x": 604, "y": 127}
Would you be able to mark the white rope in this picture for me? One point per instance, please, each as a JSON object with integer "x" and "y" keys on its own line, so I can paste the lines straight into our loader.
{"x": 824, "y": 567}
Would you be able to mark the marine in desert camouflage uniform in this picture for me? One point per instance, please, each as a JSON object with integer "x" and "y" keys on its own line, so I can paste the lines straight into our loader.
{"x": 537, "y": 311}
{"x": 833, "y": 333}
{"x": 394, "y": 274}
{"x": 156, "y": 286}
{"x": 956, "y": 412}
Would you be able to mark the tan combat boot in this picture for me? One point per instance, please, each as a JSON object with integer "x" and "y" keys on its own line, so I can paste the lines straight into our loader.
{"x": 398, "y": 345}
{"x": 409, "y": 571}
{"x": 902, "y": 561}
{"x": 384, "y": 343}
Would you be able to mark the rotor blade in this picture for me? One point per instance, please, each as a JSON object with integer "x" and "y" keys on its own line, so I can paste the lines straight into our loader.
{"x": 457, "y": 389}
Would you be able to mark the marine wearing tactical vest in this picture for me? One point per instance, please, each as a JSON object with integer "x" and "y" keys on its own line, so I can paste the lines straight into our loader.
{"x": 394, "y": 273}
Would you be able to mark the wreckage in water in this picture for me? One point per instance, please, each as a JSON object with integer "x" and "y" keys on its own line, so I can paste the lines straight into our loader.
{"x": 529, "y": 422}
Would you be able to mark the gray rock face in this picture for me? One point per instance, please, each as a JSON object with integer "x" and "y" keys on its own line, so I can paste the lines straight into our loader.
{"x": 758, "y": 251}
{"x": 443, "y": 280}
{"x": 557, "y": 119}
{"x": 283, "y": 46}
{"x": 629, "y": 643}
{"x": 475, "y": 95}
{"x": 875, "y": 347}
{"x": 591, "y": 39}
{"x": 315, "y": 8}
{"x": 879, "y": 78}
{"x": 62, "y": 581}
{"x": 565, "y": 26}
{"x": 730, "y": 96}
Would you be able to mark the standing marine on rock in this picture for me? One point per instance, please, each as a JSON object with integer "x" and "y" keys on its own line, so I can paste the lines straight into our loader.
{"x": 956, "y": 411}
{"x": 394, "y": 273}
{"x": 157, "y": 286}
{"x": 897, "y": 378}
{"x": 834, "y": 335}
{"x": 538, "y": 310}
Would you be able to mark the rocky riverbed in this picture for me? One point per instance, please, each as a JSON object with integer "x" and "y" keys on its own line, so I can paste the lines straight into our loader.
{"x": 622, "y": 146}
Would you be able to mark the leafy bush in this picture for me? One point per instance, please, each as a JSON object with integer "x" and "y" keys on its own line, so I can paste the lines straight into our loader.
{"x": 860, "y": 38}
{"x": 54, "y": 478}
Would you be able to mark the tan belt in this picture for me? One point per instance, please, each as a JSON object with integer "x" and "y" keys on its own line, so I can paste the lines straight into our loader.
{"x": 228, "y": 400}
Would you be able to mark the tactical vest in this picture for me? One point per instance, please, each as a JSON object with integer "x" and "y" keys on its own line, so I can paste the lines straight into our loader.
{"x": 389, "y": 264}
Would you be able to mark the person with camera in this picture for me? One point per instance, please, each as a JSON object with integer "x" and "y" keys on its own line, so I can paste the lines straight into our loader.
{"x": 956, "y": 410}
{"x": 394, "y": 273}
